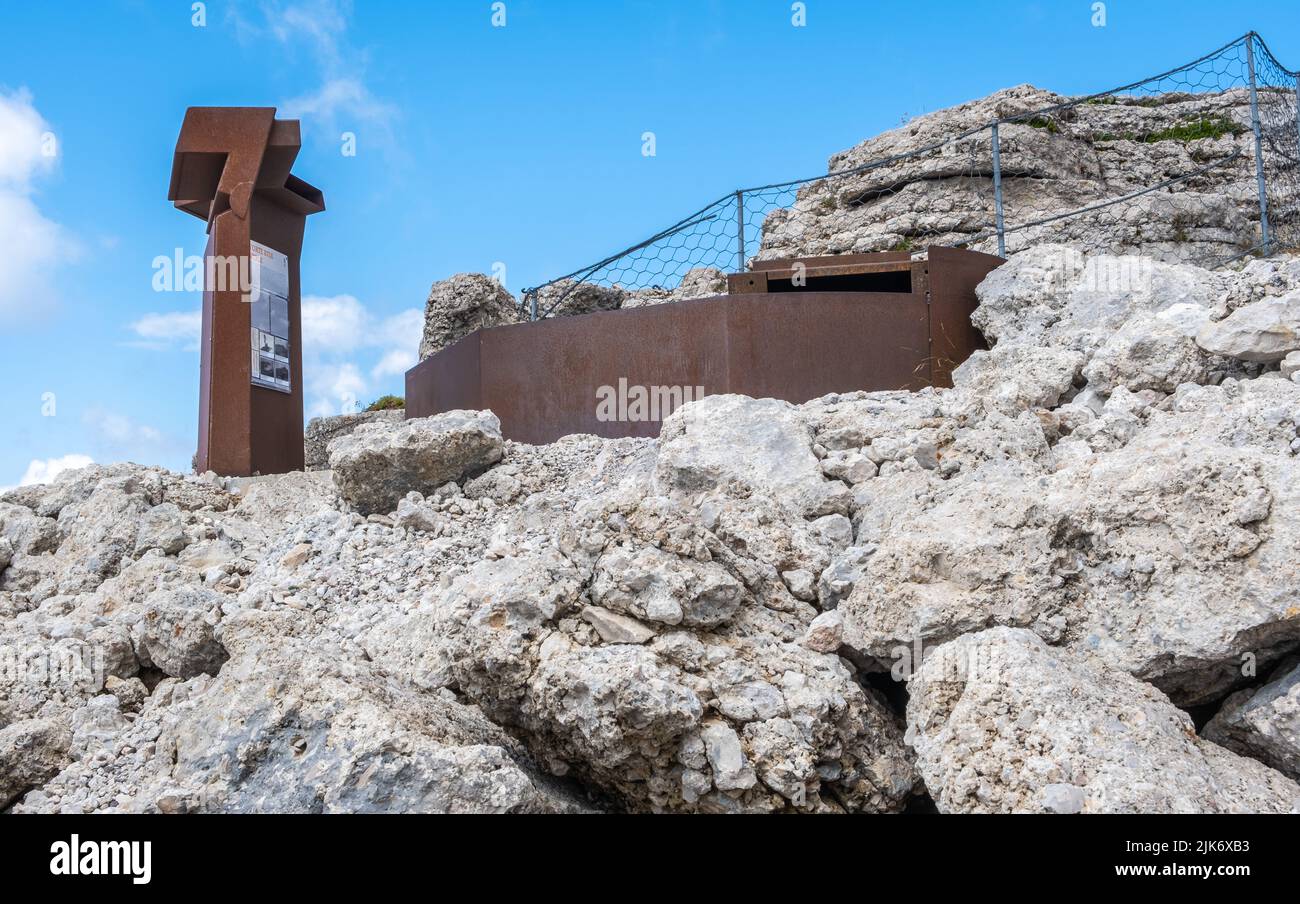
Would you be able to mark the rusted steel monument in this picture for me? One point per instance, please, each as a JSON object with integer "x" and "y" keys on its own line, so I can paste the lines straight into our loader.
{"x": 787, "y": 329}
{"x": 231, "y": 169}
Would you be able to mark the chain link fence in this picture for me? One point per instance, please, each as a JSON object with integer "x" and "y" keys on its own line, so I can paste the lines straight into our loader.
{"x": 1199, "y": 164}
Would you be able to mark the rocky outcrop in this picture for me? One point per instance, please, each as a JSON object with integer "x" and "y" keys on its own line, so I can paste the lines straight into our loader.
{"x": 698, "y": 282}
{"x": 566, "y": 297}
{"x": 933, "y": 182}
{"x": 321, "y": 431}
{"x": 462, "y": 304}
{"x": 1003, "y": 723}
{"x": 713, "y": 620}
{"x": 379, "y": 463}
{"x": 1094, "y": 516}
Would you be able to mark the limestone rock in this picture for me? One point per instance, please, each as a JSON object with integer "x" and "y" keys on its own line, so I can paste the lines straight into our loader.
{"x": 826, "y": 633}
{"x": 631, "y": 719}
{"x": 97, "y": 724}
{"x": 177, "y": 632}
{"x": 464, "y": 303}
{"x": 379, "y": 463}
{"x": 738, "y": 445}
{"x": 1264, "y": 723}
{"x": 731, "y": 771}
{"x": 31, "y": 752}
{"x": 565, "y": 298}
{"x": 131, "y": 693}
{"x": 322, "y": 430}
{"x": 917, "y": 194}
{"x": 1154, "y": 351}
{"x": 1003, "y": 723}
{"x": 1266, "y": 331}
{"x": 287, "y": 728}
{"x": 699, "y": 282}
{"x": 1109, "y": 549}
{"x": 162, "y": 528}
{"x": 1291, "y": 365}
{"x": 615, "y": 628}
{"x": 661, "y": 587}
{"x": 1054, "y": 295}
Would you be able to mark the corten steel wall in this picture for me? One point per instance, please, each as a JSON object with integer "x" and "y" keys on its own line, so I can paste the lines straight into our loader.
{"x": 541, "y": 378}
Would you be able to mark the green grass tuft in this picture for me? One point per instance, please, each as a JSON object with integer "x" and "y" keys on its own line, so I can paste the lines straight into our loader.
{"x": 1195, "y": 130}
{"x": 387, "y": 403}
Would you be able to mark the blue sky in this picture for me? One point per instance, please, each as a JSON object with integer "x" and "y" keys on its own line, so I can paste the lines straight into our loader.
{"x": 475, "y": 145}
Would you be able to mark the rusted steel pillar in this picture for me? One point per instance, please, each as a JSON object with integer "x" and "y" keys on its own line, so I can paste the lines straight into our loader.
{"x": 231, "y": 169}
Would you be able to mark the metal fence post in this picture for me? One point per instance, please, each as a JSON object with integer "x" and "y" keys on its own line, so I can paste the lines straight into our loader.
{"x": 1259, "y": 145}
{"x": 740, "y": 231}
{"x": 997, "y": 192}
{"x": 532, "y": 305}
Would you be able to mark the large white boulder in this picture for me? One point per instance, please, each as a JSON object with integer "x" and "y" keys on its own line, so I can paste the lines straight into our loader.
{"x": 1265, "y": 331}
{"x": 379, "y": 463}
{"x": 1003, "y": 723}
{"x": 741, "y": 446}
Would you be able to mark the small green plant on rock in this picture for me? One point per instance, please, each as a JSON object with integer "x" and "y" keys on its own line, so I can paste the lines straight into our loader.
{"x": 387, "y": 403}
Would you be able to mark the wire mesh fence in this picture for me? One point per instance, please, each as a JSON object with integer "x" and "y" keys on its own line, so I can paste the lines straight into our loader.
{"x": 1198, "y": 164}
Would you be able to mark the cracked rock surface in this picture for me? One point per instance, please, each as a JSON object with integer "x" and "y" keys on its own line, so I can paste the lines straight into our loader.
{"x": 1006, "y": 596}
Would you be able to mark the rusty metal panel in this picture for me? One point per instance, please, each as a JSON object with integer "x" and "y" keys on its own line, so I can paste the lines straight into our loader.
{"x": 804, "y": 345}
{"x": 871, "y": 257}
{"x": 225, "y": 383}
{"x": 542, "y": 379}
{"x": 446, "y": 381}
{"x": 276, "y": 418}
{"x": 953, "y": 274}
{"x": 746, "y": 283}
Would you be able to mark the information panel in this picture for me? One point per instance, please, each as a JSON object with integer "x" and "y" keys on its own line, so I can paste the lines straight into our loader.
{"x": 269, "y": 296}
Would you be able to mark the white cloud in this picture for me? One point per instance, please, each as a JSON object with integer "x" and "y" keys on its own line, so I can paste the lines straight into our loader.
{"x": 117, "y": 437}
{"x": 45, "y": 470}
{"x": 349, "y": 356}
{"x": 22, "y": 148}
{"x": 34, "y": 246}
{"x": 333, "y": 325}
{"x": 175, "y": 328}
{"x": 394, "y": 364}
{"x": 118, "y": 430}
{"x": 402, "y": 330}
{"x": 337, "y": 330}
{"x": 343, "y": 101}
{"x": 335, "y": 388}
{"x": 323, "y": 22}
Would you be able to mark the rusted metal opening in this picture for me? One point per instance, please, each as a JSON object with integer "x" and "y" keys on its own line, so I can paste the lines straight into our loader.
{"x": 903, "y": 322}
{"x": 888, "y": 271}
